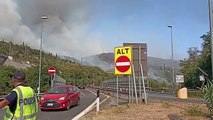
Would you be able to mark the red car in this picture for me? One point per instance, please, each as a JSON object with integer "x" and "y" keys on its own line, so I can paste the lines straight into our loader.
{"x": 60, "y": 97}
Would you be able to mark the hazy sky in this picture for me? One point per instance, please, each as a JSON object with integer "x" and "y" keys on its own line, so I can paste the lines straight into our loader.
{"x": 81, "y": 28}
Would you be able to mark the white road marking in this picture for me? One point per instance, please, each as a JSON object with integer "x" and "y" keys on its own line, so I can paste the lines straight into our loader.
{"x": 90, "y": 107}
{"x": 122, "y": 63}
{"x": 82, "y": 93}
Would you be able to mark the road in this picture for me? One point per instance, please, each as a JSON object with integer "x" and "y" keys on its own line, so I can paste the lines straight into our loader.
{"x": 157, "y": 96}
{"x": 86, "y": 99}
{"x": 167, "y": 97}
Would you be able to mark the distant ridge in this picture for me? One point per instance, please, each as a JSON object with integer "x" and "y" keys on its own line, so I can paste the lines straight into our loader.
{"x": 156, "y": 66}
{"x": 105, "y": 61}
{"x": 154, "y": 61}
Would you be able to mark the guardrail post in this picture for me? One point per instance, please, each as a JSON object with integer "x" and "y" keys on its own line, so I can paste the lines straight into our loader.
{"x": 98, "y": 101}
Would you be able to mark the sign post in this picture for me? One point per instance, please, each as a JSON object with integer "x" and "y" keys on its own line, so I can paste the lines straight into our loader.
{"x": 141, "y": 78}
{"x": 123, "y": 58}
{"x": 179, "y": 79}
{"x": 52, "y": 71}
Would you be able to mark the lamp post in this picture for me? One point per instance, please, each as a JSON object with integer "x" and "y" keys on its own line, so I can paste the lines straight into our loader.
{"x": 211, "y": 36}
{"x": 173, "y": 70}
{"x": 42, "y": 25}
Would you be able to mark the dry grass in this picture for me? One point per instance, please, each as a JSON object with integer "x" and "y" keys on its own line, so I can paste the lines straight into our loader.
{"x": 155, "y": 110}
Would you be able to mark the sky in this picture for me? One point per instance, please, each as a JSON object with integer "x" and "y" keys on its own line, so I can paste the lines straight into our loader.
{"x": 80, "y": 28}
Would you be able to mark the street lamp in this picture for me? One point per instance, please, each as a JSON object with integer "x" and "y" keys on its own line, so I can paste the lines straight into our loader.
{"x": 173, "y": 70}
{"x": 42, "y": 25}
{"x": 211, "y": 36}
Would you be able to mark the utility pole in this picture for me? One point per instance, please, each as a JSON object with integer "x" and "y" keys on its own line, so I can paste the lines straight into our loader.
{"x": 173, "y": 69}
{"x": 211, "y": 37}
{"x": 42, "y": 25}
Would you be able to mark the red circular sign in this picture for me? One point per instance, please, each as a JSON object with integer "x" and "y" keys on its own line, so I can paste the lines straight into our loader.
{"x": 51, "y": 70}
{"x": 122, "y": 63}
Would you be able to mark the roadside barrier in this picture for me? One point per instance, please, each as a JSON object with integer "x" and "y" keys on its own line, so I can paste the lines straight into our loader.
{"x": 96, "y": 102}
{"x": 182, "y": 93}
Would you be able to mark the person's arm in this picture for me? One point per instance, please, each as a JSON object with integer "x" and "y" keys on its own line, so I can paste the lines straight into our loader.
{"x": 4, "y": 103}
{"x": 9, "y": 100}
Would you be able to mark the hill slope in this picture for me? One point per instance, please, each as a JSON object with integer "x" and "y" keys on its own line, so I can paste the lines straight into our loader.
{"x": 70, "y": 70}
{"x": 105, "y": 61}
{"x": 158, "y": 68}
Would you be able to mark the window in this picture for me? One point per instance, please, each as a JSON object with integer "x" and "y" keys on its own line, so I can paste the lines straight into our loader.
{"x": 72, "y": 89}
{"x": 57, "y": 91}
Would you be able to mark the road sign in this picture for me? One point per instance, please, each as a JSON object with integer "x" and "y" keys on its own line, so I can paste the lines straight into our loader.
{"x": 51, "y": 70}
{"x": 123, "y": 64}
{"x": 179, "y": 79}
{"x": 123, "y": 57}
{"x": 202, "y": 78}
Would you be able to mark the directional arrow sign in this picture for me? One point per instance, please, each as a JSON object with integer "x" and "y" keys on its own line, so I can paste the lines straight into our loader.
{"x": 123, "y": 57}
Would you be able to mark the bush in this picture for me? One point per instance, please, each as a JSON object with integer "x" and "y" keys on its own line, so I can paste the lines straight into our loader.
{"x": 195, "y": 94}
{"x": 193, "y": 111}
{"x": 208, "y": 96}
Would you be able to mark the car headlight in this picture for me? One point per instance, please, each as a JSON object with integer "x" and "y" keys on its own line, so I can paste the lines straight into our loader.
{"x": 62, "y": 98}
{"x": 42, "y": 98}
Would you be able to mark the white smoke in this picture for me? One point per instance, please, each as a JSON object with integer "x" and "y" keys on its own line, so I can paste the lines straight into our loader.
{"x": 10, "y": 25}
{"x": 65, "y": 31}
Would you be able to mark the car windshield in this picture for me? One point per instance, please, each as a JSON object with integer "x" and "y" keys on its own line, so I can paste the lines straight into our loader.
{"x": 57, "y": 91}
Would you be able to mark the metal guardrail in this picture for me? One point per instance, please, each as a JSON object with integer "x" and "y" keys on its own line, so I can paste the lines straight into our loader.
{"x": 124, "y": 86}
{"x": 39, "y": 95}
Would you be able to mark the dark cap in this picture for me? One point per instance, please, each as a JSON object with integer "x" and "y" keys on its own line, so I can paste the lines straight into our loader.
{"x": 19, "y": 75}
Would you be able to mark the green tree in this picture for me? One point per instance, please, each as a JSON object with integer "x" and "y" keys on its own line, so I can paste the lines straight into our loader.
{"x": 5, "y": 81}
{"x": 208, "y": 96}
{"x": 201, "y": 59}
{"x": 72, "y": 72}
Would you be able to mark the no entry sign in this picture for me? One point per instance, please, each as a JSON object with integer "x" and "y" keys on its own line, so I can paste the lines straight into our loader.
{"x": 123, "y": 57}
{"x": 122, "y": 64}
{"x": 51, "y": 70}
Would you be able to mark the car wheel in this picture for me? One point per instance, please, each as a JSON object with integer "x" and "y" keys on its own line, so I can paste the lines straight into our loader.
{"x": 68, "y": 105}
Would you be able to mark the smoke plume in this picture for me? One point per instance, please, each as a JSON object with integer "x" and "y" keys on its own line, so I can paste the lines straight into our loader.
{"x": 65, "y": 31}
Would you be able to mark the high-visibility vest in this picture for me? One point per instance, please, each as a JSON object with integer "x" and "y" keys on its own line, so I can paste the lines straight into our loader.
{"x": 26, "y": 106}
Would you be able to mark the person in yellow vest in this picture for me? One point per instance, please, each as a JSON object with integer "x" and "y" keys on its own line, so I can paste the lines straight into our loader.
{"x": 22, "y": 100}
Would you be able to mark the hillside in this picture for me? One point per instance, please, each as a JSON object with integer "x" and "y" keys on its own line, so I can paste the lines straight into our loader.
{"x": 66, "y": 67}
{"x": 105, "y": 61}
{"x": 161, "y": 68}
{"x": 158, "y": 68}
{"x": 2, "y": 59}
{"x": 153, "y": 61}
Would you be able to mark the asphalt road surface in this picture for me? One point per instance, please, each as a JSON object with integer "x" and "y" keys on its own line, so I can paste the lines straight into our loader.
{"x": 85, "y": 100}
{"x": 158, "y": 96}
{"x": 167, "y": 97}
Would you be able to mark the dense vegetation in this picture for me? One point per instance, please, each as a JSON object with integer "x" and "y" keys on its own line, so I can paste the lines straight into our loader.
{"x": 72, "y": 72}
{"x": 197, "y": 59}
{"x": 161, "y": 86}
